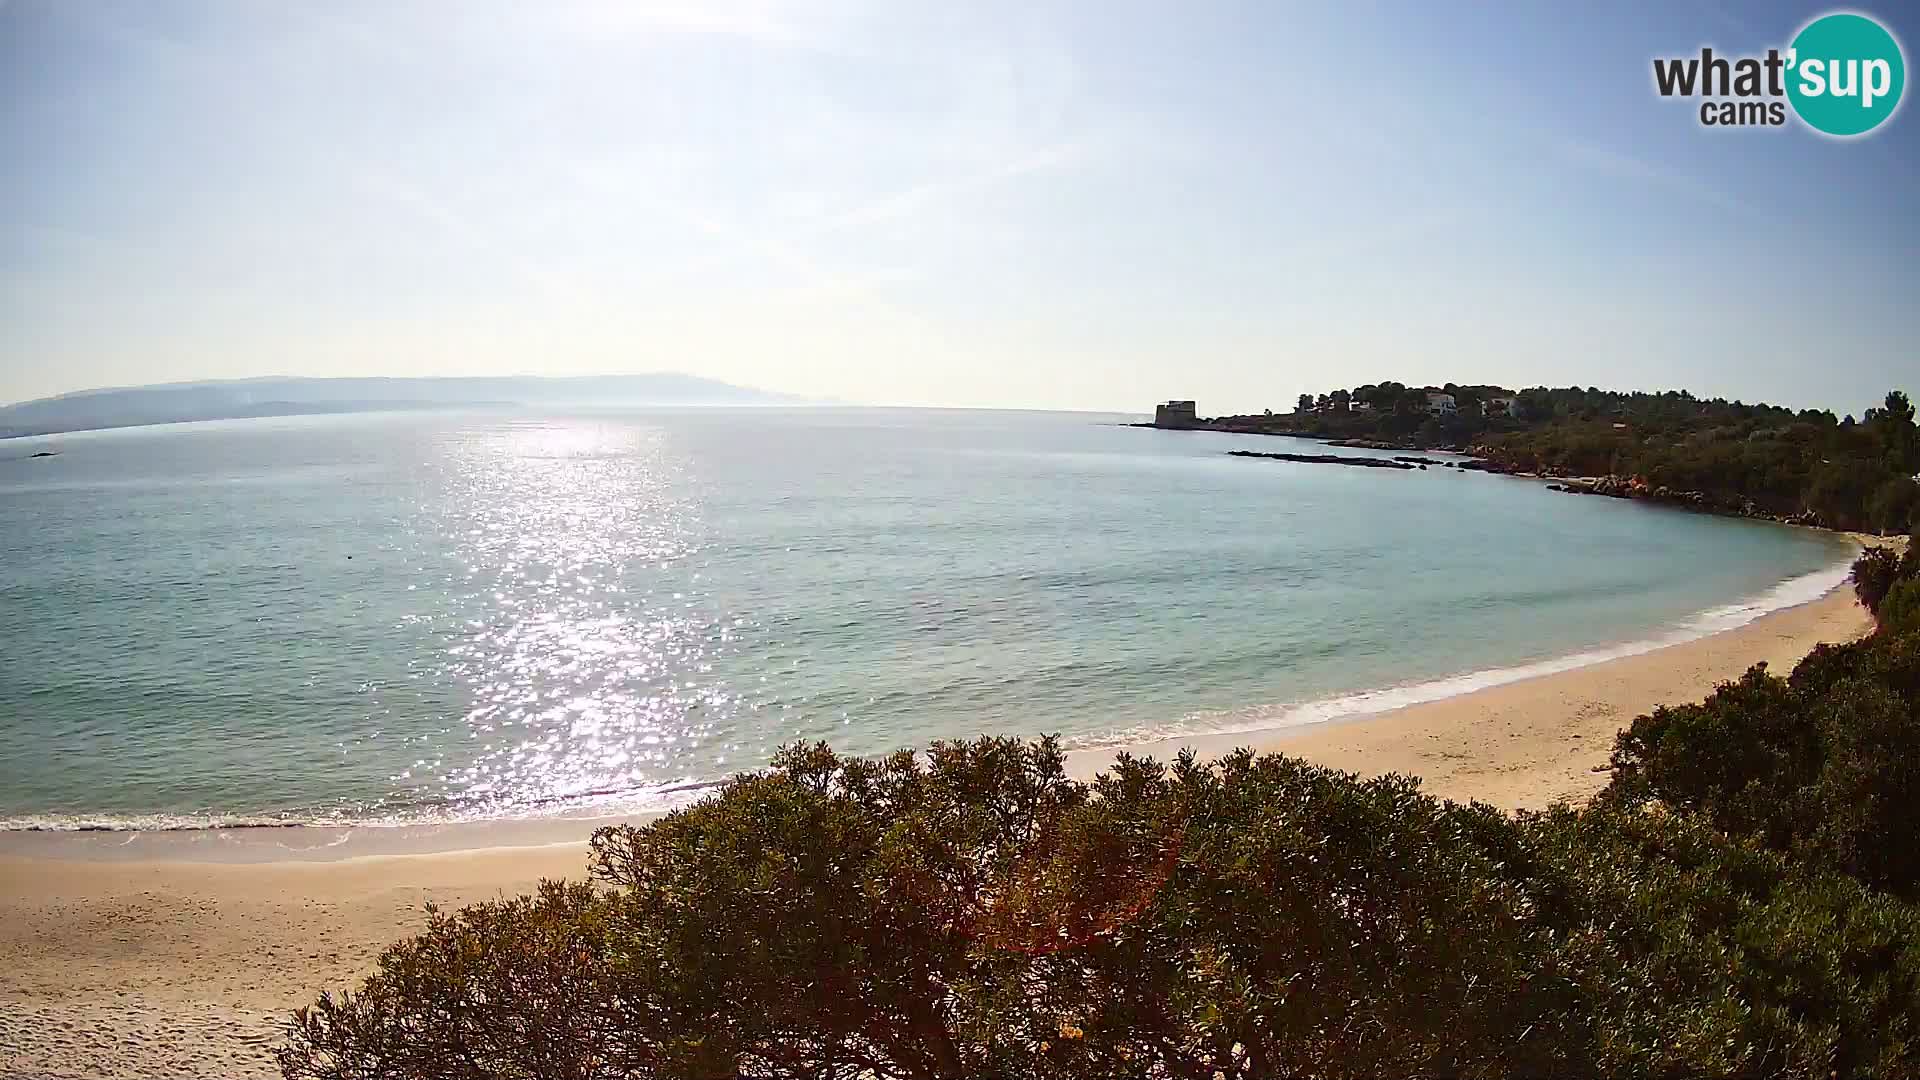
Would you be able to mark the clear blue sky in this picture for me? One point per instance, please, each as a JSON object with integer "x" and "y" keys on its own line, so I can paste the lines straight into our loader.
{"x": 1078, "y": 206}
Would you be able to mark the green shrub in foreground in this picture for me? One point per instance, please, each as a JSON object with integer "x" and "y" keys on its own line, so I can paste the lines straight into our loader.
{"x": 1873, "y": 573}
{"x": 976, "y": 913}
{"x": 1820, "y": 766}
{"x": 1899, "y": 611}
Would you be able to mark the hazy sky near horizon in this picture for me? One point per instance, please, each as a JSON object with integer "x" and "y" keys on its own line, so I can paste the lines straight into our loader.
{"x": 1090, "y": 205}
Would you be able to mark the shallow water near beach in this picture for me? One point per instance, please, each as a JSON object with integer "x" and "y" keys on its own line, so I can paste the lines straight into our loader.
{"x": 412, "y": 616}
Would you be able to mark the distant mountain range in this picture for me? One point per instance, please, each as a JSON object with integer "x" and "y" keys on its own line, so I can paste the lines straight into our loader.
{"x": 173, "y": 403}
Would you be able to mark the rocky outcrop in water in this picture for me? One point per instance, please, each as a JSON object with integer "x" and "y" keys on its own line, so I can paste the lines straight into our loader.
{"x": 1327, "y": 459}
{"x": 1369, "y": 444}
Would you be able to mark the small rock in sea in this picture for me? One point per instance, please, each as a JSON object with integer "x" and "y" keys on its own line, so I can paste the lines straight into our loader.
{"x": 48, "y": 453}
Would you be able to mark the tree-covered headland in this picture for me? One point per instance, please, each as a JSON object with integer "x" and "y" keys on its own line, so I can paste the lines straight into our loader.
{"x": 1806, "y": 465}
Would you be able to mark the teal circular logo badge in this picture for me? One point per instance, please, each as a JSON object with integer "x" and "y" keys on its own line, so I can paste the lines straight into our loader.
{"x": 1845, "y": 74}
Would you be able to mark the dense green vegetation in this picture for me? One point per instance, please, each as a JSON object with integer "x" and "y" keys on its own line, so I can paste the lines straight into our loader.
{"x": 1820, "y": 765}
{"x": 1751, "y": 458}
{"x": 1889, "y": 586}
{"x": 1739, "y": 903}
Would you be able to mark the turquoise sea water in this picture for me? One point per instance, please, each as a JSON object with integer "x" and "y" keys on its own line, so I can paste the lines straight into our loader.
{"x": 504, "y": 613}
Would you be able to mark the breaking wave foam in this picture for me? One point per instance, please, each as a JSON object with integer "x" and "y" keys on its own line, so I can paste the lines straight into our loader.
{"x": 1788, "y": 594}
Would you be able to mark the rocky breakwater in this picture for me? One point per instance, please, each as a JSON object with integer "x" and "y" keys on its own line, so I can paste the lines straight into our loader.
{"x": 1370, "y": 444}
{"x": 1488, "y": 460}
{"x": 1327, "y": 459}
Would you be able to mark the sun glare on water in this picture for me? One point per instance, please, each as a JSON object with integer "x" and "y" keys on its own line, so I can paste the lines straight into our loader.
{"x": 571, "y": 628}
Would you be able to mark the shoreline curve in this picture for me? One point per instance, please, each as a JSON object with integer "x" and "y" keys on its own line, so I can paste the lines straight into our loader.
{"x": 1309, "y": 729}
{"x": 235, "y": 929}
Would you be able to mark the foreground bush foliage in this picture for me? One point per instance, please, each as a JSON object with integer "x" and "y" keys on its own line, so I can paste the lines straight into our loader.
{"x": 1874, "y": 574}
{"x": 1899, "y": 613}
{"x": 974, "y": 912}
{"x": 1820, "y": 765}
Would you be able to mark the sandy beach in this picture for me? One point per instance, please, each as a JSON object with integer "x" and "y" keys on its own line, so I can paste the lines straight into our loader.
{"x": 1530, "y": 744}
{"x": 177, "y": 956}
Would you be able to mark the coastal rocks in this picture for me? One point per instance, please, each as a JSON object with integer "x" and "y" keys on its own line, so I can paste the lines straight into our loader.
{"x": 1488, "y": 465}
{"x": 1616, "y": 487}
{"x": 1492, "y": 459}
{"x": 1328, "y": 459}
{"x": 1368, "y": 444}
{"x": 1639, "y": 487}
{"x": 1398, "y": 461}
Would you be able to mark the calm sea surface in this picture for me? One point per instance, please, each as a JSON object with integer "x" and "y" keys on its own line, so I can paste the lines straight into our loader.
{"x": 506, "y": 613}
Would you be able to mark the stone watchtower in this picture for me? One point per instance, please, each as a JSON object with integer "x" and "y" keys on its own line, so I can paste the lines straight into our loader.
{"x": 1175, "y": 414}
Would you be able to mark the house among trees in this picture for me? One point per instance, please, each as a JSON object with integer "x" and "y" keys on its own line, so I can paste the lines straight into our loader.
{"x": 1501, "y": 406}
{"x": 1440, "y": 403}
